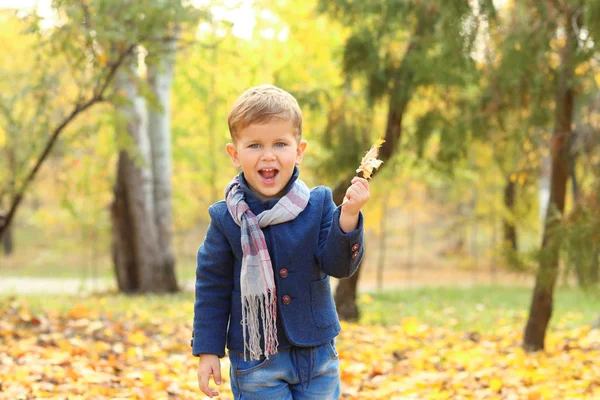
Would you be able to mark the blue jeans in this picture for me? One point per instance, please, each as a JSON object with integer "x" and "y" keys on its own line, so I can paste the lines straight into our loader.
{"x": 297, "y": 373}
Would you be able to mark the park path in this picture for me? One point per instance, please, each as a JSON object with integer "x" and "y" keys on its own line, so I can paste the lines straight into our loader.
{"x": 394, "y": 279}
{"x": 30, "y": 285}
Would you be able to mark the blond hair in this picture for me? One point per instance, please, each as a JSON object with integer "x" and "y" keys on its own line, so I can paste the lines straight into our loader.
{"x": 261, "y": 104}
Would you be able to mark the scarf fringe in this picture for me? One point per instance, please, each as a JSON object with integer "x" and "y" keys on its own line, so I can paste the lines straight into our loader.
{"x": 259, "y": 301}
{"x": 266, "y": 305}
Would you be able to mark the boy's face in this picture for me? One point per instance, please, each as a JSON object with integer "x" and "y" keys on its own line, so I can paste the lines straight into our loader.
{"x": 267, "y": 154}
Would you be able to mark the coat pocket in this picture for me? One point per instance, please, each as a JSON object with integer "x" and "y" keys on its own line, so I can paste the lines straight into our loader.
{"x": 322, "y": 305}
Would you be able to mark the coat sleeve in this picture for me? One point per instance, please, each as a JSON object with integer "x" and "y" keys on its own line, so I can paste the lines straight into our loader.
{"x": 339, "y": 253}
{"x": 214, "y": 284}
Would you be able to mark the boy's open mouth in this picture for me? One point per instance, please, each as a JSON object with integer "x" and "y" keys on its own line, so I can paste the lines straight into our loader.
{"x": 268, "y": 175}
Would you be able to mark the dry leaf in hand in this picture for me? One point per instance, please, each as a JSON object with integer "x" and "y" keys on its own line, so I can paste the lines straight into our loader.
{"x": 370, "y": 161}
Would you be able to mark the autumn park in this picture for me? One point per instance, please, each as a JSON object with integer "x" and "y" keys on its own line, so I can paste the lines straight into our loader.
{"x": 480, "y": 277}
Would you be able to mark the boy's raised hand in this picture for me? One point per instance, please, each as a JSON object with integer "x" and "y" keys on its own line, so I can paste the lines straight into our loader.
{"x": 208, "y": 365}
{"x": 356, "y": 196}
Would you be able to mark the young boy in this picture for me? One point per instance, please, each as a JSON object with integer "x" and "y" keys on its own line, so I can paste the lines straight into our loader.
{"x": 262, "y": 280}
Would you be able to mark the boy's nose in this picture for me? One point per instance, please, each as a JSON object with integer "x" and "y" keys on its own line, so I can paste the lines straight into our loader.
{"x": 268, "y": 155}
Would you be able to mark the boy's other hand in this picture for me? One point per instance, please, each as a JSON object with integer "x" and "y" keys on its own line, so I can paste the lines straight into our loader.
{"x": 208, "y": 365}
{"x": 356, "y": 196}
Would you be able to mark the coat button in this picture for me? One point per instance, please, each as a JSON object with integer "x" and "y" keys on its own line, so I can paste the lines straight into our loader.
{"x": 283, "y": 273}
{"x": 355, "y": 247}
{"x": 355, "y": 255}
{"x": 286, "y": 299}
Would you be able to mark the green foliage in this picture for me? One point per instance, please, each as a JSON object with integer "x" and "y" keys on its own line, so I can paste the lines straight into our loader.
{"x": 520, "y": 261}
{"x": 428, "y": 125}
{"x": 398, "y": 47}
{"x": 346, "y": 137}
{"x": 580, "y": 233}
{"x": 591, "y": 13}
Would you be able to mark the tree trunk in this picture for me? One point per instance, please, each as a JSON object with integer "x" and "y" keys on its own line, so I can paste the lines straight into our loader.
{"x": 160, "y": 78}
{"x": 345, "y": 296}
{"x": 345, "y": 293}
{"x": 542, "y": 299}
{"x": 138, "y": 263}
{"x": 7, "y": 237}
{"x": 510, "y": 230}
{"x": 400, "y": 95}
{"x": 122, "y": 246}
{"x": 7, "y": 241}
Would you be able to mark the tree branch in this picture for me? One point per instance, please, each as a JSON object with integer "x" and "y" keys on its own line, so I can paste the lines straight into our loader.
{"x": 97, "y": 97}
{"x": 113, "y": 70}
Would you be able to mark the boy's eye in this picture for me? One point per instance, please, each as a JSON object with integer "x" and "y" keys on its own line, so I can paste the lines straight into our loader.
{"x": 254, "y": 146}
{"x": 280, "y": 144}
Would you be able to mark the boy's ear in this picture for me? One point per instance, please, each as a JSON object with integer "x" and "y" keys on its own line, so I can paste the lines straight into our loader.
{"x": 233, "y": 154}
{"x": 300, "y": 151}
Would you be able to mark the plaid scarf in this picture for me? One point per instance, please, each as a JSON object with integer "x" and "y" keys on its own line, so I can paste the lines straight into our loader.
{"x": 257, "y": 282}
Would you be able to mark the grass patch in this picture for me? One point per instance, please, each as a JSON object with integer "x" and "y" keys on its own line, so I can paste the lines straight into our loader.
{"x": 177, "y": 308}
{"x": 476, "y": 308}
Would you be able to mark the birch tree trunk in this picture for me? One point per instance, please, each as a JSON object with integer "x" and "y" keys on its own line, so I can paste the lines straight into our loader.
{"x": 136, "y": 248}
{"x": 160, "y": 79}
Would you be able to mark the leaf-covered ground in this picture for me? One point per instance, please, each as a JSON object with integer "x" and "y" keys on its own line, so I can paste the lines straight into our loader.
{"x": 89, "y": 352}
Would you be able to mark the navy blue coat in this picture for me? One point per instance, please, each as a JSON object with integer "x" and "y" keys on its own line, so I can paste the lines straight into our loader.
{"x": 304, "y": 253}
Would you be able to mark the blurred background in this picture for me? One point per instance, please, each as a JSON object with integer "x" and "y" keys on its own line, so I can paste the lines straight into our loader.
{"x": 113, "y": 125}
{"x": 103, "y": 102}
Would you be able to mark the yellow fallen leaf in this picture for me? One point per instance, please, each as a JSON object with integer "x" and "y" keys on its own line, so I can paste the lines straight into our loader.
{"x": 138, "y": 338}
{"x": 496, "y": 385}
{"x": 410, "y": 325}
{"x": 78, "y": 312}
{"x": 534, "y": 396}
{"x": 366, "y": 299}
{"x": 147, "y": 377}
